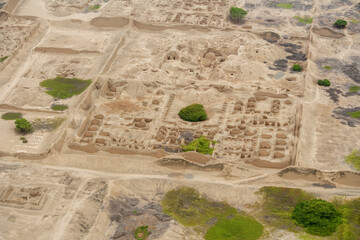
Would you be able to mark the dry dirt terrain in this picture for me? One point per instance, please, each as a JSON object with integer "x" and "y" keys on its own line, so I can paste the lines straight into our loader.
{"x": 117, "y": 150}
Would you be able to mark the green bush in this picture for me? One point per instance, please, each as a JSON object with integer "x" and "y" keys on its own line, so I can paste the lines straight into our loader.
{"x": 94, "y": 7}
{"x": 321, "y": 83}
{"x": 23, "y": 125}
{"x": 326, "y": 83}
{"x": 141, "y": 233}
{"x": 237, "y": 228}
{"x": 11, "y": 116}
{"x": 354, "y": 114}
{"x": 317, "y": 216}
{"x": 297, "y": 68}
{"x": 354, "y": 89}
{"x": 193, "y": 113}
{"x": 3, "y": 59}
{"x": 237, "y": 14}
{"x": 201, "y": 145}
{"x": 59, "y": 107}
{"x": 340, "y": 23}
{"x": 354, "y": 159}
{"x": 188, "y": 207}
{"x": 61, "y": 87}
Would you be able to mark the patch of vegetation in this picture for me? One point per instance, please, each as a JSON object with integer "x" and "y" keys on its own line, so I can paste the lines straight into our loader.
{"x": 23, "y": 125}
{"x": 318, "y": 217}
{"x": 239, "y": 227}
{"x": 355, "y": 21}
{"x": 188, "y": 207}
{"x": 24, "y": 140}
{"x": 48, "y": 124}
{"x": 193, "y": 113}
{"x": 324, "y": 82}
{"x": 340, "y": 23}
{"x": 11, "y": 116}
{"x": 327, "y": 67}
{"x": 354, "y": 159}
{"x": 278, "y": 204}
{"x": 141, "y": 233}
{"x": 59, "y": 107}
{"x": 350, "y": 210}
{"x": 200, "y": 145}
{"x": 306, "y": 20}
{"x": 61, "y": 87}
{"x": 354, "y": 89}
{"x": 3, "y": 59}
{"x": 237, "y": 14}
{"x": 354, "y": 114}
{"x": 95, "y": 7}
{"x": 297, "y": 68}
{"x": 285, "y": 5}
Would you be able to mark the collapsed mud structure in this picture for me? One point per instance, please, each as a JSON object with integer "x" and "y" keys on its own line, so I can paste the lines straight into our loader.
{"x": 110, "y": 155}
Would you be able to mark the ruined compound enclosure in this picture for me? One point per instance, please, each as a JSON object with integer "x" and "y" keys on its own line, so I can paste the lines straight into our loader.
{"x": 117, "y": 147}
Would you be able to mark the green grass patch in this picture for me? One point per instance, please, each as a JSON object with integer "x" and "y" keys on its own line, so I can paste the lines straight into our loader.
{"x": 239, "y": 228}
{"x": 3, "y": 59}
{"x": 285, "y": 5}
{"x": 354, "y": 159}
{"x": 48, "y": 124}
{"x": 11, "y": 116}
{"x": 327, "y": 67}
{"x": 193, "y": 113}
{"x": 95, "y": 7}
{"x": 355, "y": 21}
{"x": 354, "y": 114}
{"x": 350, "y": 210}
{"x": 306, "y": 20}
{"x": 278, "y": 204}
{"x": 354, "y": 89}
{"x": 188, "y": 207}
{"x": 61, "y": 87}
{"x": 200, "y": 145}
{"x": 59, "y": 107}
{"x": 141, "y": 233}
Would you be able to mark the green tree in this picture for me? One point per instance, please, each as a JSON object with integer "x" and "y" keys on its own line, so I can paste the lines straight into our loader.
{"x": 237, "y": 14}
{"x": 193, "y": 113}
{"x": 340, "y": 23}
{"x": 23, "y": 125}
{"x": 317, "y": 216}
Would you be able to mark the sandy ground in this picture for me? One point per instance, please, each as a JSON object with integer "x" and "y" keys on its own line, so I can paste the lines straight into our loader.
{"x": 120, "y": 142}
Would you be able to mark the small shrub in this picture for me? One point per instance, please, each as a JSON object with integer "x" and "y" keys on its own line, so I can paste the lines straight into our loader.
{"x": 317, "y": 216}
{"x": 340, "y": 23}
{"x": 237, "y": 14}
{"x": 193, "y": 113}
{"x": 24, "y": 140}
{"x": 354, "y": 160}
{"x": 59, "y": 107}
{"x": 327, "y": 67}
{"x": 285, "y": 5}
{"x": 239, "y": 227}
{"x": 354, "y": 89}
{"x": 94, "y": 8}
{"x": 200, "y": 145}
{"x": 297, "y": 68}
{"x": 3, "y": 59}
{"x": 326, "y": 82}
{"x": 141, "y": 233}
{"x": 306, "y": 20}
{"x": 23, "y": 125}
{"x": 354, "y": 114}
{"x": 11, "y": 116}
{"x": 320, "y": 83}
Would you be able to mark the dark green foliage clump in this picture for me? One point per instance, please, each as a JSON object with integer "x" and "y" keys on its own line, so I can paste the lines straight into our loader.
{"x": 278, "y": 204}
{"x": 354, "y": 160}
{"x": 201, "y": 145}
{"x": 239, "y": 228}
{"x": 23, "y": 125}
{"x": 193, "y": 113}
{"x": 59, "y": 107}
{"x": 340, "y": 23}
{"x": 354, "y": 89}
{"x": 324, "y": 82}
{"x": 354, "y": 114}
{"x": 11, "y": 116}
{"x": 141, "y": 233}
{"x": 61, "y": 87}
{"x": 188, "y": 207}
{"x": 237, "y": 14}
{"x": 317, "y": 216}
{"x": 297, "y": 68}
{"x": 3, "y": 59}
